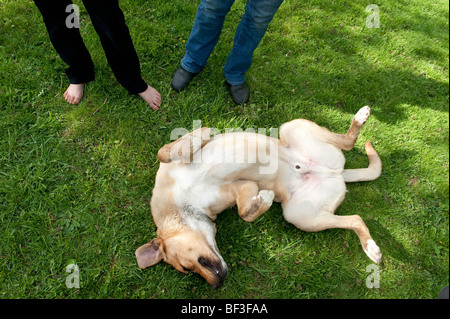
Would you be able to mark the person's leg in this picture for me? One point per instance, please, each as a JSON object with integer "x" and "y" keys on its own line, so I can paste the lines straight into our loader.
{"x": 253, "y": 26}
{"x": 205, "y": 33}
{"x": 203, "y": 38}
{"x": 69, "y": 45}
{"x": 109, "y": 23}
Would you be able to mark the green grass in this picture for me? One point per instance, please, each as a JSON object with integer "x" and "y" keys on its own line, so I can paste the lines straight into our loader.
{"x": 75, "y": 181}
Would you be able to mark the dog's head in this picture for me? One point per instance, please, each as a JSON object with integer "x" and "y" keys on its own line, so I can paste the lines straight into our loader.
{"x": 188, "y": 250}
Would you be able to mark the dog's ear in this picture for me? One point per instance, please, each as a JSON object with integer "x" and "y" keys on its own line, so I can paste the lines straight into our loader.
{"x": 149, "y": 254}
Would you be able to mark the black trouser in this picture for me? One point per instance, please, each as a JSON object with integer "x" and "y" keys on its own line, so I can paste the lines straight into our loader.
{"x": 109, "y": 23}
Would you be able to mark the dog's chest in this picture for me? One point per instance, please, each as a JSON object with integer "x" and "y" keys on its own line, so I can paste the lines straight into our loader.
{"x": 194, "y": 186}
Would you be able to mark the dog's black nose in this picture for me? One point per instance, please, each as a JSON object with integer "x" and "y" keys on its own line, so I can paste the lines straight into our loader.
{"x": 214, "y": 265}
{"x": 216, "y": 268}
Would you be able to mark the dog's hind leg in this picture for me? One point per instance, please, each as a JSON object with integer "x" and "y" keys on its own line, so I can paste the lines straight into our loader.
{"x": 313, "y": 221}
{"x": 251, "y": 201}
{"x": 312, "y": 208}
{"x": 354, "y": 222}
{"x": 346, "y": 141}
{"x": 292, "y": 134}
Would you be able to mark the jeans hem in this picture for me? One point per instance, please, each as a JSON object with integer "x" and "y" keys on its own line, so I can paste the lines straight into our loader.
{"x": 183, "y": 65}
{"x": 237, "y": 82}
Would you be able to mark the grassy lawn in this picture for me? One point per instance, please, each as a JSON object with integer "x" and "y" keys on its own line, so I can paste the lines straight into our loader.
{"x": 75, "y": 181}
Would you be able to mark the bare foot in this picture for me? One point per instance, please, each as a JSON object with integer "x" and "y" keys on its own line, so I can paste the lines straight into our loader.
{"x": 74, "y": 93}
{"x": 152, "y": 97}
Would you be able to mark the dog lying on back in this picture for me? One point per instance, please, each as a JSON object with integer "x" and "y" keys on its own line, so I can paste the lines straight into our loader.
{"x": 200, "y": 176}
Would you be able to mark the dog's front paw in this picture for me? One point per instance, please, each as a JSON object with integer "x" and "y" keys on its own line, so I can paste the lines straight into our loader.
{"x": 362, "y": 115}
{"x": 258, "y": 205}
{"x": 267, "y": 196}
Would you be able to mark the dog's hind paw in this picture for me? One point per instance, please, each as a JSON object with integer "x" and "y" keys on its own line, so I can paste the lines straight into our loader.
{"x": 362, "y": 115}
{"x": 373, "y": 251}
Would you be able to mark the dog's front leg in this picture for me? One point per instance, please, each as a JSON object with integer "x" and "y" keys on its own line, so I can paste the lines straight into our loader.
{"x": 184, "y": 148}
{"x": 251, "y": 202}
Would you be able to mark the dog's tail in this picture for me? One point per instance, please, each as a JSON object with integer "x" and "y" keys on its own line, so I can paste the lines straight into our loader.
{"x": 365, "y": 174}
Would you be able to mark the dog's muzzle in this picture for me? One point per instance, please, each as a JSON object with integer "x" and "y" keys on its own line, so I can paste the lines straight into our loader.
{"x": 218, "y": 271}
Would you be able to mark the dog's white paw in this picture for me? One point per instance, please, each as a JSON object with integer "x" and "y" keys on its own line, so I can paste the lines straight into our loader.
{"x": 373, "y": 251}
{"x": 362, "y": 115}
{"x": 267, "y": 196}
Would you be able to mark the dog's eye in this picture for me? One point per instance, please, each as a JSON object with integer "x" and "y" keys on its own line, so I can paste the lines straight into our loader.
{"x": 297, "y": 166}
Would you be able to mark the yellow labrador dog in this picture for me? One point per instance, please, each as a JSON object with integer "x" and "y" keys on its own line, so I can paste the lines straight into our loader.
{"x": 200, "y": 176}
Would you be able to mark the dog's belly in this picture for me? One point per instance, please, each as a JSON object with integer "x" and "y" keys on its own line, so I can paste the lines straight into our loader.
{"x": 312, "y": 193}
{"x": 311, "y": 181}
{"x": 318, "y": 156}
{"x": 315, "y": 171}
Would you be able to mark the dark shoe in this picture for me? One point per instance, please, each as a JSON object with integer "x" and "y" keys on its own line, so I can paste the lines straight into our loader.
{"x": 181, "y": 79}
{"x": 239, "y": 93}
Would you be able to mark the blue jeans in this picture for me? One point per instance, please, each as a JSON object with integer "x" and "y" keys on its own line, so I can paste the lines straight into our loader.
{"x": 208, "y": 26}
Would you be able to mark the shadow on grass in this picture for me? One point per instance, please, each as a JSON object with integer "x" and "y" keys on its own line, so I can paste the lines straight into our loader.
{"x": 339, "y": 62}
{"x": 388, "y": 244}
